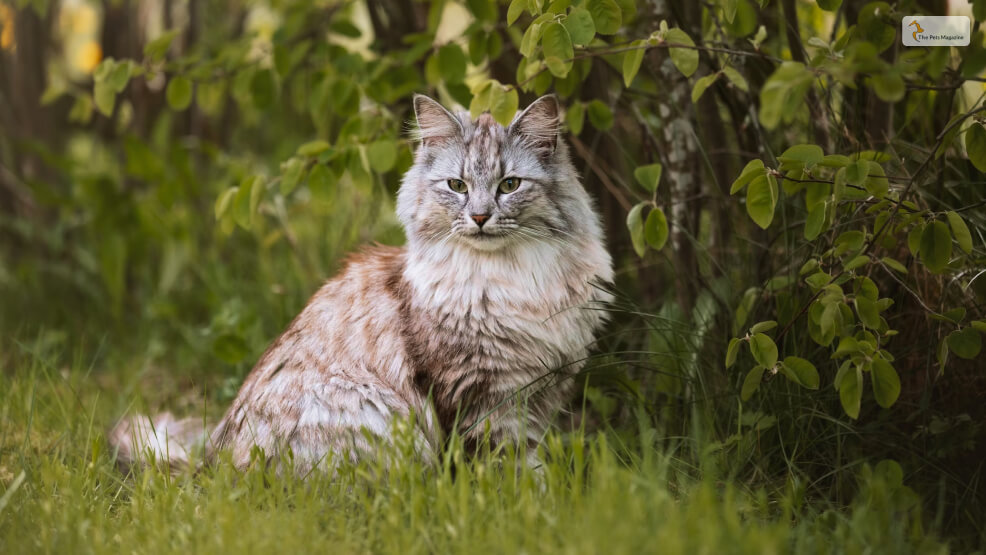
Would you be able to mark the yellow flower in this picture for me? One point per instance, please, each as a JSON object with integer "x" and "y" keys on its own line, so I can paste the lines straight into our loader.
{"x": 6, "y": 27}
{"x": 89, "y": 56}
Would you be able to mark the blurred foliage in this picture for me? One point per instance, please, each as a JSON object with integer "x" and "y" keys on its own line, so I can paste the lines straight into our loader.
{"x": 785, "y": 188}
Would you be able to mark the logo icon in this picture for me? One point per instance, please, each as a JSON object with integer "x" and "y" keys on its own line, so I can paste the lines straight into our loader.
{"x": 917, "y": 32}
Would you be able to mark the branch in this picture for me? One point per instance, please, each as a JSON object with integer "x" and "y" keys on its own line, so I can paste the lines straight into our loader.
{"x": 603, "y": 176}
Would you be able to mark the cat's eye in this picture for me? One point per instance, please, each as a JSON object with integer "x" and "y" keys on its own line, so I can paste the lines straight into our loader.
{"x": 457, "y": 185}
{"x": 509, "y": 184}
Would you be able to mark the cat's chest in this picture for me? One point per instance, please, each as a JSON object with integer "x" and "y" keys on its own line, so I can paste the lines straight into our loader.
{"x": 515, "y": 323}
{"x": 509, "y": 319}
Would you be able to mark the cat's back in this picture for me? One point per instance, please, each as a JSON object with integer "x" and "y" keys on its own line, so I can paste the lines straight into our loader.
{"x": 352, "y": 316}
{"x": 339, "y": 362}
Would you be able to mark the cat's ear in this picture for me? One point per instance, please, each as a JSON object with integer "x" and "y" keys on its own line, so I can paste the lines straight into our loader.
{"x": 540, "y": 123}
{"x": 435, "y": 124}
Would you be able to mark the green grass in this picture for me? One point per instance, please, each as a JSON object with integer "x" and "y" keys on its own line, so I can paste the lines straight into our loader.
{"x": 60, "y": 491}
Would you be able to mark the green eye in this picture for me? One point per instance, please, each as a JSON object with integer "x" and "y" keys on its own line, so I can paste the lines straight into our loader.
{"x": 457, "y": 185}
{"x": 509, "y": 184}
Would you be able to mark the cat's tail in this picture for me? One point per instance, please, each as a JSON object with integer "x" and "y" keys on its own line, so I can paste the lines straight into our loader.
{"x": 163, "y": 439}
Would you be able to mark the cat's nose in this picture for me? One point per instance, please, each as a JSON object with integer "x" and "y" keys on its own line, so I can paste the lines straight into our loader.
{"x": 480, "y": 219}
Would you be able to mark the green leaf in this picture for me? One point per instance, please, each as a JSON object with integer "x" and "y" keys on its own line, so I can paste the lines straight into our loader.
{"x": 503, "y": 104}
{"x": 851, "y": 392}
{"x": 856, "y": 262}
{"x": 580, "y": 26}
{"x": 481, "y": 98}
{"x": 606, "y": 15}
{"x": 320, "y": 181}
{"x": 975, "y": 146}
{"x": 530, "y": 40}
{"x": 751, "y": 383}
{"x": 979, "y": 10}
{"x": 761, "y": 199}
{"x": 753, "y": 168}
{"x": 477, "y": 47}
{"x": 876, "y": 182}
{"x": 291, "y": 175}
{"x": 256, "y": 195}
{"x": 313, "y": 148}
{"x": 960, "y": 231}
{"x": 516, "y": 8}
{"x": 800, "y": 371}
{"x": 736, "y": 78}
{"x": 831, "y": 319}
{"x": 979, "y": 325}
{"x": 888, "y": 86}
{"x": 871, "y": 25}
{"x": 636, "y": 226}
{"x": 829, "y": 5}
{"x": 631, "y": 61}
{"x": 763, "y": 349}
{"x": 383, "y": 155}
{"x": 891, "y": 471}
{"x": 345, "y": 28}
{"x": 782, "y": 96}
{"x": 224, "y": 202}
{"x": 156, "y": 49}
{"x": 701, "y": 85}
{"x": 179, "y": 93}
{"x": 103, "y": 70}
{"x": 815, "y": 223}
{"x": 105, "y": 97}
{"x": 893, "y": 264}
{"x": 557, "y": 44}
{"x": 242, "y": 204}
{"x": 656, "y": 229}
{"x": 452, "y": 63}
{"x": 965, "y": 343}
{"x": 732, "y": 351}
{"x": 761, "y": 327}
{"x": 868, "y": 312}
{"x": 600, "y": 116}
{"x": 807, "y": 155}
{"x": 263, "y": 89}
{"x": 847, "y": 346}
{"x": 120, "y": 76}
{"x": 575, "y": 117}
{"x": 648, "y": 176}
{"x": 886, "y": 383}
{"x": 936, "y": 246}
{"x": 954, "y": 315}
{"x": 729, "y": 10}
{"x": 685, "y": 59}
{"x": 914, "y": 239}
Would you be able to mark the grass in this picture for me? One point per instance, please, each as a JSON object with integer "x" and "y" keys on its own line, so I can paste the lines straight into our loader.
{"x": 60, "y": 491}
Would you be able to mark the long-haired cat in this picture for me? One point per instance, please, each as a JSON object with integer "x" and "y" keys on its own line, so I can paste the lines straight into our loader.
{"x": 478, "y": 323}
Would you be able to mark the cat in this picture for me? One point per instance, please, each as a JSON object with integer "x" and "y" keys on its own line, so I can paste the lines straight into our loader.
{"x": 477, "y": 324}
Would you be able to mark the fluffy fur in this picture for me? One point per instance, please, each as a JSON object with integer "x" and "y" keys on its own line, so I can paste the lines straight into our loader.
{"x": 472, "y": 326}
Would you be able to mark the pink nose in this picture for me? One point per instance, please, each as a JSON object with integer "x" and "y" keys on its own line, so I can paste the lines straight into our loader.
{"x": 480, "y": 219}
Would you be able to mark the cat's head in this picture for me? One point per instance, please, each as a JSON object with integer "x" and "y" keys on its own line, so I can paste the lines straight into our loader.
{"x": 480, "y": 184}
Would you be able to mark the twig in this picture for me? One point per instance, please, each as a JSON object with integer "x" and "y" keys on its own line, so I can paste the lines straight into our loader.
{"x": 590, "y": 159}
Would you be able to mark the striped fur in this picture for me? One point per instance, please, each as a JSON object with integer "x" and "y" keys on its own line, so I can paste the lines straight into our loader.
{"x": 463, "y": 326}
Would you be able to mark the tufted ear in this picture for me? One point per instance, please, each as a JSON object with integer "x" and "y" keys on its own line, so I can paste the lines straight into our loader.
{"x": 540, "y": 123}
{"x": 435, "y": 124}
